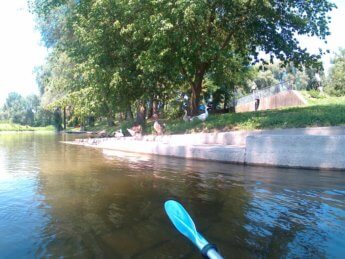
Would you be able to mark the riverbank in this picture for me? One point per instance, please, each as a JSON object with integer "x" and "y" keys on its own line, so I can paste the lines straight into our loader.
{"x": 310, "y": 148}
{"x": 320, "y": 111}
{"x": 323, "y": 111}
{"x": 12, "y": 127}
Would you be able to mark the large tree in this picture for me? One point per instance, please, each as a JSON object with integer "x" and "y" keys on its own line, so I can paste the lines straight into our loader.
{"x": 131, "y": 49}
{"x": 201, "y": 36}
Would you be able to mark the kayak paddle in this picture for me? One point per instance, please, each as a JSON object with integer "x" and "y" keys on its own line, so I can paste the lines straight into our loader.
{"x": 184, "y": 223}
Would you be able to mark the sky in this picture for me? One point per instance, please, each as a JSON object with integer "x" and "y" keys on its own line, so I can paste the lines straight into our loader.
{"x": 21, "y": 49}
{"x": 335, "y": 41}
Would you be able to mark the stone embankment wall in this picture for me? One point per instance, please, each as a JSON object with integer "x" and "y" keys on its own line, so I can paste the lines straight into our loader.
{"x": 320, "y": 148}
{"x": 319, "y": 152}
{"x": 283, "y": 99}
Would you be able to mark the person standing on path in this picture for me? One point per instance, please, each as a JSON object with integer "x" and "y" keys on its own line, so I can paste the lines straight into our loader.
{"x": 256, "y": 96}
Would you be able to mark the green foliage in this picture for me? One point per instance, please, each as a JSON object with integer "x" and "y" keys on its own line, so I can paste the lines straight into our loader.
{"x": 265, "y": 79}
{"x": 336, "y": 81}
{"x": 24, "y": 110}
{"x": 316, "y": 94}
{"x": 127, "y": 51}
{"x": 43, "y": 118}
{"x": 14, "y": 108}
{"x": 303, "y": 78}
{"x": 174, "y": 110}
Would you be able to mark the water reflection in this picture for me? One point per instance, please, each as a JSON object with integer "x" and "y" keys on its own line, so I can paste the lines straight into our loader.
{"x": 58, "y": 200}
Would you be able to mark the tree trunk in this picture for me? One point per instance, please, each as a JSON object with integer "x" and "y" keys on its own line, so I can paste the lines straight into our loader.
{"x": 91, "y": 121}
{"x": 64, "y": 118}
{"x": 196, "y": 88}
{"x": 140, "y": 119}
{"x": 111, "y": 122}
{"x": 150, "y": 108}
{"x": 195, "y": 98}
{"x": 82, "y": 123}
{"x": 226, "y": 102}
{"x": 121, "y": 116}
{"x": 154, "y": 107}
{"x": 57, "y": 119}
{"x": 129, "y": 113}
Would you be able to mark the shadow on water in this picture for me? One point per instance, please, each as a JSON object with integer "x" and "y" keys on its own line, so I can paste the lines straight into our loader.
{"x": 79, "y": 202}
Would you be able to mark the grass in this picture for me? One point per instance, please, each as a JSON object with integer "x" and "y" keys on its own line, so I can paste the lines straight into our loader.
{"x": 320, "y": 111}
{"x": 5, "y": 126}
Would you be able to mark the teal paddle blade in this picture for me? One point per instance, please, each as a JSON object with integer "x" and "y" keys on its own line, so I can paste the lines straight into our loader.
{"x": 184, "y": 223}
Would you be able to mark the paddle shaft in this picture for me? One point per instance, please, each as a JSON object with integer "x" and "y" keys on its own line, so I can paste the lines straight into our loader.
{"x": 213, "y": 254}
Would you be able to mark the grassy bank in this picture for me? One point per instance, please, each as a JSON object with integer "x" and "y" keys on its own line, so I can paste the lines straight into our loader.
{"x": 5, "y": 126}
{"x": 320, "y": 111}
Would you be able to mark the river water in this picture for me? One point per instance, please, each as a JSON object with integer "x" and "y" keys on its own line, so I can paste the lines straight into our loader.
{"x": 67, "y": 201}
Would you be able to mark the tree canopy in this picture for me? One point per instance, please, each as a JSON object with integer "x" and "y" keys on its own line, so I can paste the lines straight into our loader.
{"x": 119, "y": 52}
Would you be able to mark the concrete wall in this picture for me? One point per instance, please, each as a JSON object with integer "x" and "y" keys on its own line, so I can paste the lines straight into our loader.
{"x": 219, "y": 153}
{"x": 321, "y": 148}
{"x": 238, "y": 138}
{"x": 283, "y": 99}
{"x": 322, "y": 152}
{"x": 219, "y": 138}
{"x": 303, "y": 151}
